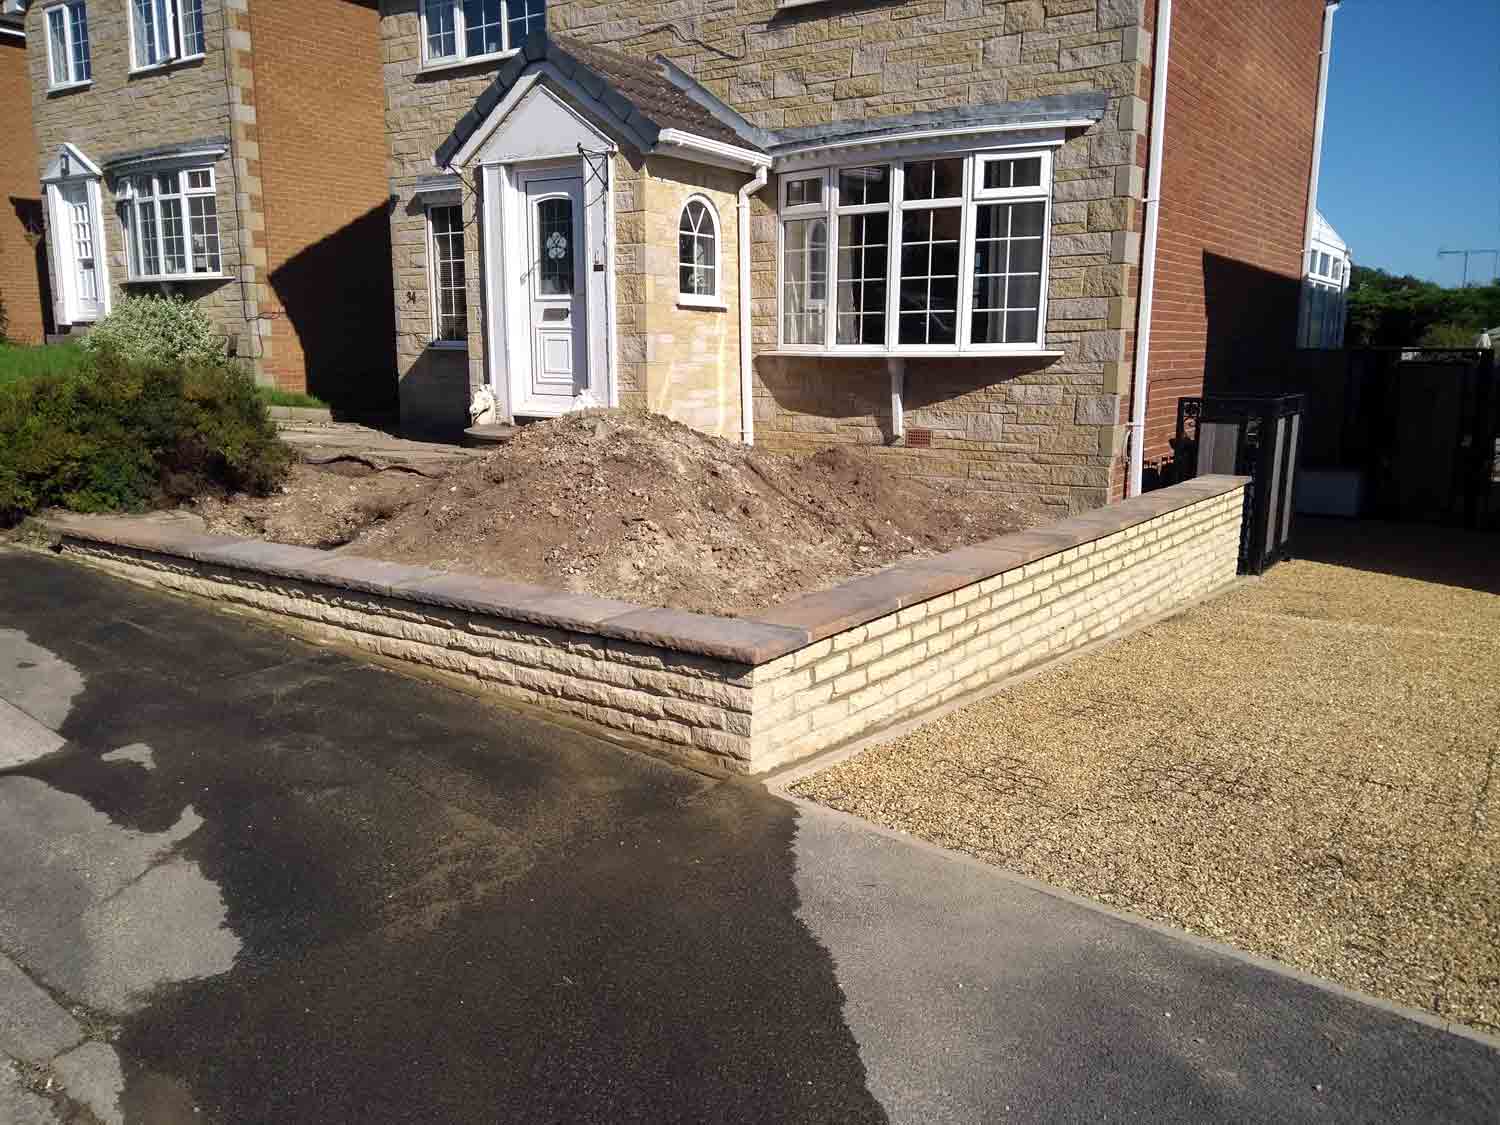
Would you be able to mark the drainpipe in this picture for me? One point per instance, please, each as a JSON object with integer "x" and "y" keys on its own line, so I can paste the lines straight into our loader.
{"x": 1148, "y": 248}
{"x": 1325, "y": 56}
{"x": 747, "y": 370}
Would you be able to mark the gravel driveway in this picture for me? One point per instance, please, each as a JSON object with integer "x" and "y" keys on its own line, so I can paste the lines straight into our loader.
{"x": 1303, "y": 767}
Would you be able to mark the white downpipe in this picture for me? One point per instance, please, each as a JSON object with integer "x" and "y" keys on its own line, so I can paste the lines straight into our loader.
{"x": 747, "y": 370}
{"x": 1325, "y": 57}
{"x": 1148, "y": 248}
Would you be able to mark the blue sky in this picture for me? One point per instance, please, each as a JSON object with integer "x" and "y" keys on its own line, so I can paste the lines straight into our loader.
{"x": 1411, "y": 145}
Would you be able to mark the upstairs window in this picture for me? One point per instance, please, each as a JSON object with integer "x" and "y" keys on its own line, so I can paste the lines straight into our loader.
{"x": 68, "y": 61}
{"x": 941, "y": 254}
{"x": 464, "y": 30}
{"x": 165, "y": 31}
{"x": 171, "y": 222}
{"x": 698, "y": 254}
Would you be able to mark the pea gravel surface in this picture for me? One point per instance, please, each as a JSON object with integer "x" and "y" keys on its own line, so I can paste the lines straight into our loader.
{"x": 1303, "y": 767}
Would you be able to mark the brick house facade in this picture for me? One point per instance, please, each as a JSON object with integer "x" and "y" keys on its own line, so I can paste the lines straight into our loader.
{"x": 22, "y": 312}
{"x": 1010, "y": 378}
{"x": 219, "y": 151}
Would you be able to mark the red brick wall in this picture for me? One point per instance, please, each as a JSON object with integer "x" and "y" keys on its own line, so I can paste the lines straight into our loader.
{"x": 320, "y": 120}
{"x": 20, "y": 197}
{"x": 1241, "y": 98}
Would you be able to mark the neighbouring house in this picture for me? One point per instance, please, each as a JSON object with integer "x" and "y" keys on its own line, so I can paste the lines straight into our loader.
{"x": 996, "y": 241}
{"x": 232, "y": 153}
{"x": 1325, "y": 288}
{"x": 23, "y": 314}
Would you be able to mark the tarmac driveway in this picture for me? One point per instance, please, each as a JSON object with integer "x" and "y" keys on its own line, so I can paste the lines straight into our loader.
{"x": 244, "y": 880}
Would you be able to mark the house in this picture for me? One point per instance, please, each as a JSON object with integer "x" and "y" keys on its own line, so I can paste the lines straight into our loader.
{"x": 232, "y": 153}
{"x": 22, "y": 311}
{"x": 994, "y": 241}
{"x": 1325, "y": 288}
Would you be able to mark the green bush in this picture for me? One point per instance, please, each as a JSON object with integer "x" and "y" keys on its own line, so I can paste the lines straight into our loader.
{"x": 119, "y": 434}
{"x": 157, "y": 330}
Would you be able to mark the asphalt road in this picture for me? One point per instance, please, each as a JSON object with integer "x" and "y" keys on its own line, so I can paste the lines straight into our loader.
{"x": 243, "y": 879}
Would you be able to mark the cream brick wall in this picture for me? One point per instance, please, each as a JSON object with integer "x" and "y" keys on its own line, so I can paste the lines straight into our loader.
{"x": 728, "y": 715}
{"x": 896, "y": 667}
{"x": 692, "y": 354}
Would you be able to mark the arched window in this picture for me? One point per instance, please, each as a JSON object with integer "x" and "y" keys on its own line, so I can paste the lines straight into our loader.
{"x": 698, "y": 254}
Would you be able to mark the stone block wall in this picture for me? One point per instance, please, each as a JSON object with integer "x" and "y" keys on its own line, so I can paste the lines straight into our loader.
{"x": 120, "y": 113}
{"x": 24, "y": 317}
{"x": 744, "y": 694}
{"x": 920, "y": 657}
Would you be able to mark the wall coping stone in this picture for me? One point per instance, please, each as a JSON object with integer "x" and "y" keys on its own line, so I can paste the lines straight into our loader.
{"x": 751, "y": 640}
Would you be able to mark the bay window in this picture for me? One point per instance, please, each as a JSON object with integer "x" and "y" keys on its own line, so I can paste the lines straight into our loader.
{"x": 165, "y": 31}
{"x": 942, "y": 254}
{"x": 464, "y": 30}
{"x": 171, "y": 222}
{"x": 68, "y": 59}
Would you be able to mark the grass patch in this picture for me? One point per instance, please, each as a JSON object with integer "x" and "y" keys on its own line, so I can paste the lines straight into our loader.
{"x": 20, "y": 361}
{"x": 275, "y": 396}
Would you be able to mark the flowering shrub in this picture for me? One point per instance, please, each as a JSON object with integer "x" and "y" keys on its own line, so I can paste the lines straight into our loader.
{"x": 157, "y": 330}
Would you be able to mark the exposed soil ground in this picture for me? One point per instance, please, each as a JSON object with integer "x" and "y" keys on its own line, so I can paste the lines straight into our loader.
{"x": 631, "y": 506}
{"x": 1305, "y": 767}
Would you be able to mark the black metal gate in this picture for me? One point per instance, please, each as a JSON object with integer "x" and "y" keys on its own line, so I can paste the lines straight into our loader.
{"x": 1423, "y": 425}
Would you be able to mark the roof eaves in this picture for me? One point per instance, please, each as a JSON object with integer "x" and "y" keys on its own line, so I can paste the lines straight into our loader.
{"x": 753, "y": 135}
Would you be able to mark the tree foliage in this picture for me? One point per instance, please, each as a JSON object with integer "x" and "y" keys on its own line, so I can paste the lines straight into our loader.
{"x": 1390, "y": 311}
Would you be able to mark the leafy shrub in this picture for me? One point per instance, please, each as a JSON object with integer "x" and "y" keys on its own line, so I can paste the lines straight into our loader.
{"x": 157, "y": 330}
{"x": 118, "y": 434}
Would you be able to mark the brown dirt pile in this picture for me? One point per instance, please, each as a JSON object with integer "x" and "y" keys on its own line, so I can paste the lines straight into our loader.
{"x": 634, "y": 506}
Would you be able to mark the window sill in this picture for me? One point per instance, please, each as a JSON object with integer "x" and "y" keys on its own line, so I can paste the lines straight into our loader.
{"x": 160, "y": 278}
{"x": 157, "y": 68}
{"x": 684, "y": 301}
{"x": 1029, "y": 352}
{"x": 439, "y": 66}
{"x": 69, "y": 87}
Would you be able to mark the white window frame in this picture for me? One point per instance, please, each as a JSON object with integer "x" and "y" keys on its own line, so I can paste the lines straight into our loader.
{"x": 168, "y": 36}
{"x": 439, "y": 201}
{"x": 73, "y": 81}
{"x": 974, "y": 196}
{"x": 714, "y": 300}
{"x": 460, "y": 56}
{"x": 130, "y": 220}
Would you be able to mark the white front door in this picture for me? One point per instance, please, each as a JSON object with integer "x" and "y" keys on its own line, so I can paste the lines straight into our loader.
{"x": 81, "y": 249}
{"x": 557, "y": 294}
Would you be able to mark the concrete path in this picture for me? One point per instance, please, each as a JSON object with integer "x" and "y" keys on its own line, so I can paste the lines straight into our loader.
{"x": 320, "y": 444}
{"x": 259, "y": 881}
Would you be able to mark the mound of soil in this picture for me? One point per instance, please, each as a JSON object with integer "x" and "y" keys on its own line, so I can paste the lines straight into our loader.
{"x": 634, "y": 506}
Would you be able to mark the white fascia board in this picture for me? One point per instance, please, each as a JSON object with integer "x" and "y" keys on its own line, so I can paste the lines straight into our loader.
{"x": 706, "y": 150}
{"x": 168, "y": 160}
{"x": 12, "y": 33}
{"x": 958, "y": 138}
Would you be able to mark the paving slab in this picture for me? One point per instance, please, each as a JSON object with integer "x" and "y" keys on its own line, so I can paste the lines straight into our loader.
{"x": 92, "y": 1076}
{"x": 33, "y": 1027}
{"x": 18, "y": 1105}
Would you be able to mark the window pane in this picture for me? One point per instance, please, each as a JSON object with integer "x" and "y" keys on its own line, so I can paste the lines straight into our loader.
{"x": 697, "y": 254}
{"x": 174, "y": 243}
{"x": 934, "y": 179}
{"x": 804, "y": 280}
{"x": 192, "y": 27}
{"x": 554, "y": 226}
{"x": 526, "y": 16}
{"x": 204, "y": 231}
{"x": 83, "y": 67}
{"x": 481, "y": 27}
{"x": 143, "y": 27}
{"x": 863, "y": 247}
{"x": 929, "y": 275}
{"x": 799, "y": 192}
{"x": 1007, "y": 297}
{"x": 450, "y": 299}
{"x": 1025, "y": 172}
{"x": 442, "y": 33}
{"x": 199, "y": 179}
{"x": 150, "y": 243}
{"x": 860, "y": 186}
{"x": 57, "y": 28}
